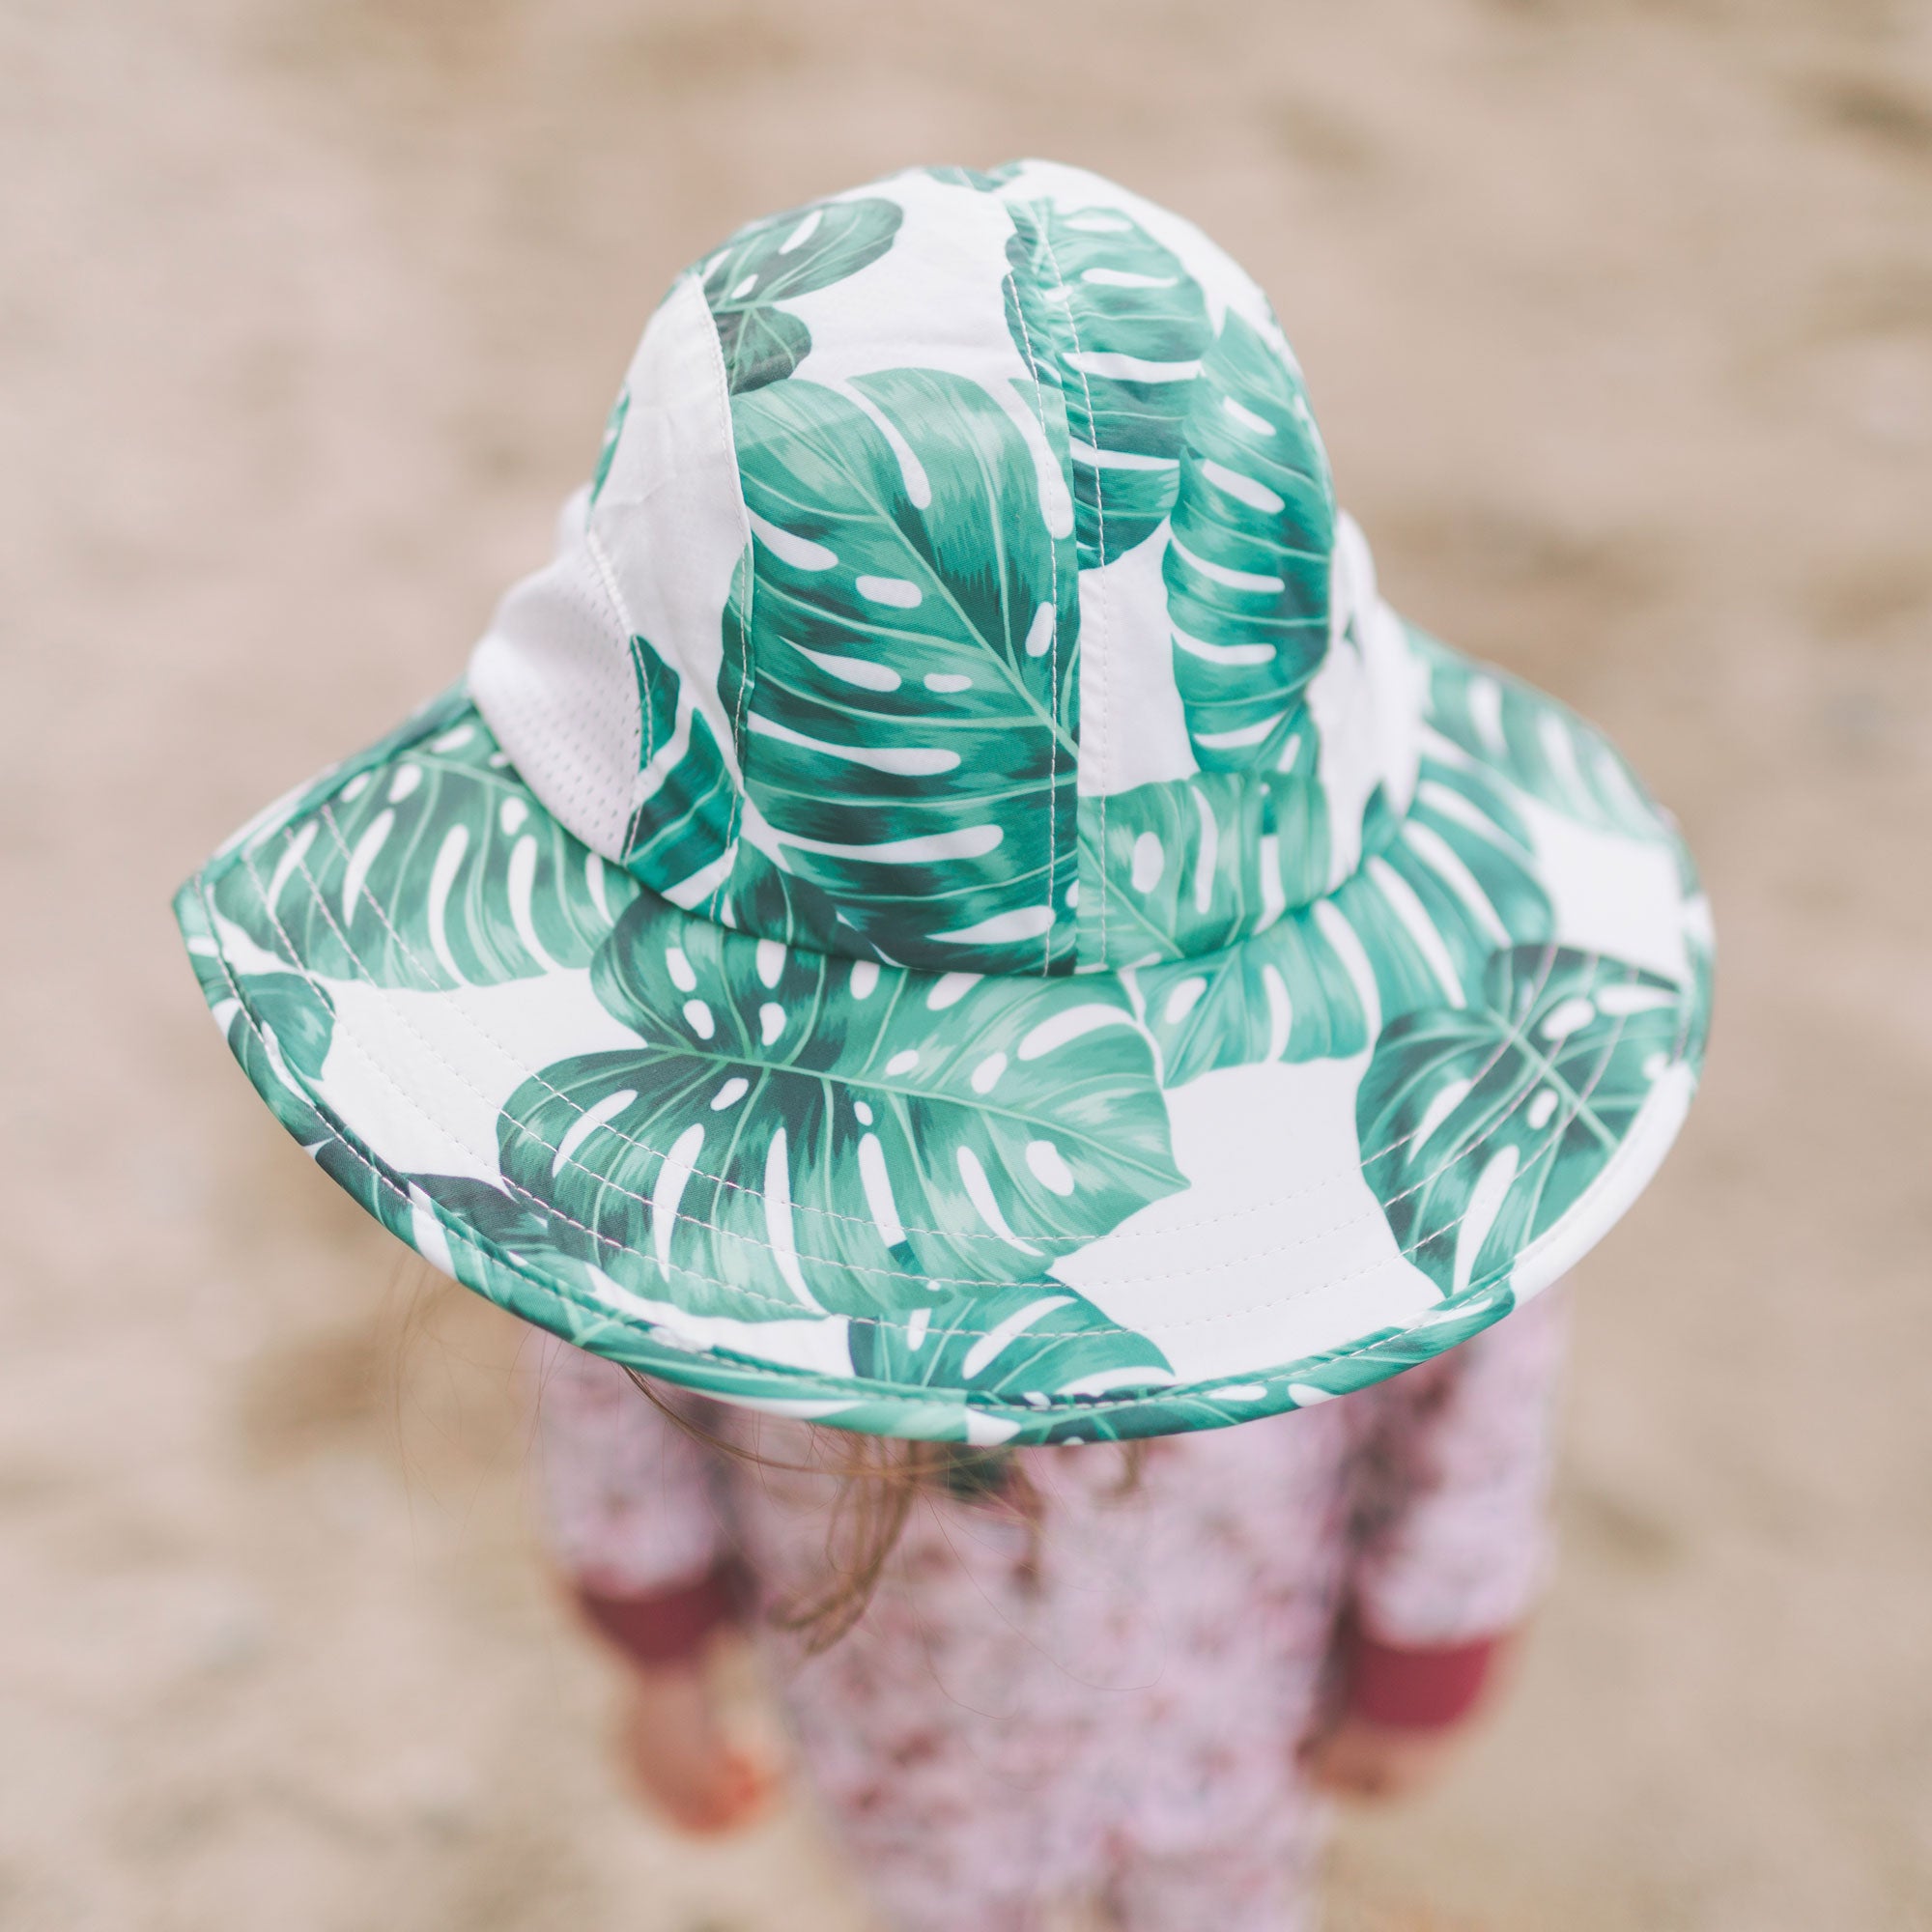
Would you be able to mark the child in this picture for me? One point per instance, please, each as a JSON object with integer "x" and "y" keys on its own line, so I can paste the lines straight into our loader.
{"x": 953, "y": 914}
{"x": 1131, "y": 1697}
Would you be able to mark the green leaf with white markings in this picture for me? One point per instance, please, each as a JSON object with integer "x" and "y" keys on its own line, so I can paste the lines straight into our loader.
{"x": 909, "y": 738}
{"x": 1539, "y": 745}
{"x": 796, "y": 1132}
{"x": 1174, "y": 868}
{"x": 1246, "y": 565}
{"x": 1112, "y": 319}
{"x": 687, "y": 808}
{"x": 1482, "y": 1124}
{"x": 1035, "y": 1339}
{"x": 775, "y": 260}
{"x": 1415, "y": 925}
{"x": 436, "y": 867}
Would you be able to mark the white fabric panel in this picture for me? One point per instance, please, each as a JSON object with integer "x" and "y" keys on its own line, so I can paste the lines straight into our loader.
{"x": 554, "y": 680}
{"x": 653, "y": 558}
{"x": 1366, "y": 700}
{"x": 670, "y": 526}
{"x": 1132, "y": 729}
{"x": 1240, "y": 1270}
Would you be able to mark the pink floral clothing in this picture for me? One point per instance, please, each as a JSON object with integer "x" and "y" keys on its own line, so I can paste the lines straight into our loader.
{"x": 1111, "y": 1707}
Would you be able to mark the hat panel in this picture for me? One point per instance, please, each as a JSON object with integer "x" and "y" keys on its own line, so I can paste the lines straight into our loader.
{"x": 1227, "y": 623}
{"x": 1270, "y": 841}
{"x": 909, "y": 746}
{"x": 864, "y": 828}
{"x": 1247, "y": 563}
{"x": 909, "y": 729}
{"x": 606, "y": 675}
{"x": 666, "y": 531}
{"x": 1121, "y": 326}
{"x": 553, "y": 674}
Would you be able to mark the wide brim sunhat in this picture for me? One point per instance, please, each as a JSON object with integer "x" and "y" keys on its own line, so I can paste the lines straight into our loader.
{"x": 952, "y": 907}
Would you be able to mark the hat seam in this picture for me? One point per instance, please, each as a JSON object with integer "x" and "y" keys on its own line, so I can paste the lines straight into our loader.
{"x": 740, "y": 792}
{"x": 1099, "y": 655}
{"x": 1153, "y": 1394}
{"x": 353, "y": 767}
{"x": 1053, "y": 662}
{"x": 861, "y": 1268}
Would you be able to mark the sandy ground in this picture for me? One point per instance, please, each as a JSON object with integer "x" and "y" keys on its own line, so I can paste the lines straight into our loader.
{"x": 1619, "y": 320}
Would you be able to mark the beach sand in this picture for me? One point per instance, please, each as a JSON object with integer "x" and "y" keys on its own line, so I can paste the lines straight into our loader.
{"x": 1618, "y": 318}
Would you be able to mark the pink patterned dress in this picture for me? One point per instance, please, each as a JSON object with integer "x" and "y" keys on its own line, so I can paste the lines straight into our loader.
{"x": 1109, "y": 1711}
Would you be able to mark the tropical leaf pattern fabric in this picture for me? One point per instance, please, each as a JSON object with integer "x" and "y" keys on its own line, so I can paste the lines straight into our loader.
{"x": 910, "y": 736}
{"x": 888, "y": 1058}
{"x": 1120, "y": 327}
{"x": 686, "y": 807}
{"x": 797, "y": 1131}
{"x": 876, "y": 744}
{"x": 1482, "y": 1124}
{"x": 777, "y": 260}
{"x": 1009, "y": 1345}
{"x": 437, "y": 869}
{"x": 1173, "y": 869}
{"x": 900, "y": 1160}
{"x": 1552, "y": 754}
{"x": 1414, "y": 926}
{"x": 1247, "y": 563}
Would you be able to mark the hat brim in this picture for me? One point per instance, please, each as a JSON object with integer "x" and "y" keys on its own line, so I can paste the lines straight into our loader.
{"x": 982, "y": 1209}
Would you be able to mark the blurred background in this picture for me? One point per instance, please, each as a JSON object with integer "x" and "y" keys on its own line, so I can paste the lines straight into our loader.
{"x": 1618, "y": 318}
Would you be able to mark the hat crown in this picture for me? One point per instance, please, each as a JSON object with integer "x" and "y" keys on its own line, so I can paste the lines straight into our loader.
{"x": 960, "y": 585}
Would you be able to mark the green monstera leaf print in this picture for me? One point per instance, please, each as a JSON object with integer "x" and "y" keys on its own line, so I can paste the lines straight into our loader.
{"x": 1179, "y": 872}
{"x": 1437, "y": 896}
{"x": 777, "y": 260}
{"x": 1246, "y": 565}
{"x": 685, "y": 813}
{"x": 1375, "y": 1358}
{"x": 684, "y": 837}
{"x": 1482, "y": 1124}
{"x": 983, "y": 181}
{"x": 1543, "y": 748}
{"x": 434, "y": 868}
{"x": 909, "y": 737}
{"x": 1118, "y": 325}
{"x": 795, "y": 1132}
{"x": 280, "y": 1027}
{"x": 1028, "y": 1342}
